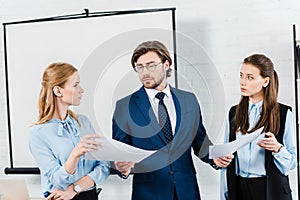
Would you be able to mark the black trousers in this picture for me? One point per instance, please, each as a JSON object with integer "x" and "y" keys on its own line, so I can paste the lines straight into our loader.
{"x": 252, "y": 188}
{"x": 87, "y": 195}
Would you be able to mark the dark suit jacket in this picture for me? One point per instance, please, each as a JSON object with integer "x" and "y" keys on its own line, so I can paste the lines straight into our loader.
{"x": 171, "y": 167}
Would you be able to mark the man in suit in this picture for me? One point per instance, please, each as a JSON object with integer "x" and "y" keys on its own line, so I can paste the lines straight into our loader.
{"x": 160, "y": 117}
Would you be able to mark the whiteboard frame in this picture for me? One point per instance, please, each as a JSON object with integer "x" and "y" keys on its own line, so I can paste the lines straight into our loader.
{"x": 34, "y": 170}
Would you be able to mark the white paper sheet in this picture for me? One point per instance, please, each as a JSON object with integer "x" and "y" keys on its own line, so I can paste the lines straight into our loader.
{"x": 113, "y": 150}
{"x": 227, "y": 149}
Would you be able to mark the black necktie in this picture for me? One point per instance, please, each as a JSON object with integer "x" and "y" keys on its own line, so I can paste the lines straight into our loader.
{"x": 163, "y": 117}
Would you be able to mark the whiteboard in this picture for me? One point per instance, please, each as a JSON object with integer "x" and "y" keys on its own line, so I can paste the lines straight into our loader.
{"x": 100, "y": 46}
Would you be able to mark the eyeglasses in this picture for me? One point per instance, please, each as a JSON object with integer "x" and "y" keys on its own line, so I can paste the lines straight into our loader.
{"x": 150, "y": 67}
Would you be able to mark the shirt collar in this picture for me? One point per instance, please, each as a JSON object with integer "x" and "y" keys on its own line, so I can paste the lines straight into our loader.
{"x": 71, "y": 125}
{"x": 253, "y": 105}
{"x": 152, "y": 92}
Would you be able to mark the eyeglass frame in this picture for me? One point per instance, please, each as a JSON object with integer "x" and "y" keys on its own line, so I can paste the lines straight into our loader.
{"x": 150, "y": 67}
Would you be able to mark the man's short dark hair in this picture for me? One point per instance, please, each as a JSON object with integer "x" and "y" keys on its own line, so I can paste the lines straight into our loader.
{"x": 154, "y": 46}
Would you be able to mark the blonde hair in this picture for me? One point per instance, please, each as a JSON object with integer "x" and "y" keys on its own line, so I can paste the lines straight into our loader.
{"x": 56, "y": 74}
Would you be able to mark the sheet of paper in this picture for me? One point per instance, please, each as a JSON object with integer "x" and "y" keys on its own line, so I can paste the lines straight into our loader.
{"x": 113, "y": 150}
{"x": 226, "y": 149}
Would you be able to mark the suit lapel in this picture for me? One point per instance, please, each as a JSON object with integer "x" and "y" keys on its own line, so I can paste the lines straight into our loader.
{"x": 176, "y": 100}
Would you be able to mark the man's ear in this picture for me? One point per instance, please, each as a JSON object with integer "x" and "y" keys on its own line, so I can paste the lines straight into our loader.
{"x": 57, "y": 91}
{"x": 167, "y": 64}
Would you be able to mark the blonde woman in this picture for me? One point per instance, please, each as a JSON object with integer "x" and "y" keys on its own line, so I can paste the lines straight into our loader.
{"x": 59, "y": 139}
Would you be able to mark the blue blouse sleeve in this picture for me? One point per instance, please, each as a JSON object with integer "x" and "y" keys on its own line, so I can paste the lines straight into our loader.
{"x": 285, "y": 159}
{"x": 102, "y": 168}
{"x": 47, "y": 160}
{"x": 51, "y": 149}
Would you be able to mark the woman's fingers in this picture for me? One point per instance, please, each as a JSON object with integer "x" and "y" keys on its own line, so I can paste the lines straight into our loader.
{"x": 89, "y": 142}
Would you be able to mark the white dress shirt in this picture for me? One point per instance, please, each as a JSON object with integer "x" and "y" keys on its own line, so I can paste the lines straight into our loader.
{"x": 168, "y": 101}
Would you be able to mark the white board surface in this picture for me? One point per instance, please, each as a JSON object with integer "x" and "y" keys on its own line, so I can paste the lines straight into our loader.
{"x": 100, "y": 47}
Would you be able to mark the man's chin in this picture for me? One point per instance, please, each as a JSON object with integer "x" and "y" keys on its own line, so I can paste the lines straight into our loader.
{"x": 150, "y": 86}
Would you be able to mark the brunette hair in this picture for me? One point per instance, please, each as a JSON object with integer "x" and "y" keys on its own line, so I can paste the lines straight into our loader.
{"x": 270, "y": 116}
{"x": 154, "y": 46}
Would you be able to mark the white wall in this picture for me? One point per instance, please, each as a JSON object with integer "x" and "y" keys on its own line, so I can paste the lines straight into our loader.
{"x": 224, "y": 31}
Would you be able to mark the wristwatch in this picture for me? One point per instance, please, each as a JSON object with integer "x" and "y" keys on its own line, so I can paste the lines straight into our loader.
{"x": 76, "y": 188}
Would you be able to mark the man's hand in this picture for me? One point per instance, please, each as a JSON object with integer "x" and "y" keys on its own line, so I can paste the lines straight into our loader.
{"x": 124, "y": 167}
{"x": 223, "y": 161}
